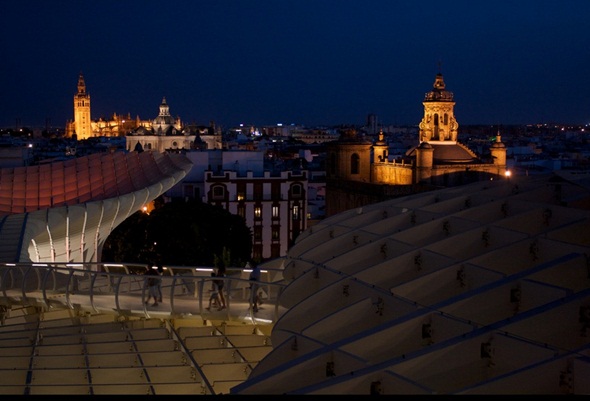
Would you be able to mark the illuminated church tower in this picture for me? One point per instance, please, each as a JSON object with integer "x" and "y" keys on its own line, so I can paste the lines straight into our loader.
{"x": 438, "y": 123}
{"x": 82, "y": 122}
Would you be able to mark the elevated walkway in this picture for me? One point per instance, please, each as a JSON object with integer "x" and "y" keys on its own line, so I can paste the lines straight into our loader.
{"x": 87, "y": 330}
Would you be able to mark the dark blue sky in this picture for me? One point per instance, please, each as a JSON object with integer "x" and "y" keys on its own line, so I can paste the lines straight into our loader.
{"x": 310, "y": 62}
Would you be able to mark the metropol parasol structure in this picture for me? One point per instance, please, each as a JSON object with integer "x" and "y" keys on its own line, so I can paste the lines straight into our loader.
{"x": 64, "y": 211}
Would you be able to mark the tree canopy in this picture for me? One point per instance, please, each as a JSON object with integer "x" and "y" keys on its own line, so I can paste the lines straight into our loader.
{"x": 181, "y": 233}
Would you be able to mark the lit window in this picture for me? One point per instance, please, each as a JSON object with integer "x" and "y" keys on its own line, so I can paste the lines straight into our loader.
{"x": 257, "y": 212}
{"x": 241, "y": 196}
{"x": 295, "y": 212}
{"x": 275, "y": 211}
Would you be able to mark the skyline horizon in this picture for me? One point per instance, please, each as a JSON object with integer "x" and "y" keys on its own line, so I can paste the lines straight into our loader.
{"x": 155, "y": 113}
{"x": 19, "y": 123}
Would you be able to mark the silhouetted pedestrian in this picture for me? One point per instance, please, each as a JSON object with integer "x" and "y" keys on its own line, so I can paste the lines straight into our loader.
{"x": 254, "y": 279}
{"x": 160, "y": 273}
{"x": 152, "y": 284}
{"x": 214, "y": 298}
{"x": 220, "y": 285}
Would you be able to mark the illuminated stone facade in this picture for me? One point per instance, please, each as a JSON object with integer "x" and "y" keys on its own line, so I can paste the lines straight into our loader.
{"x": 119, "y": 125}
{"x": 82, "y": 124}
{"x": 361, "y": 172}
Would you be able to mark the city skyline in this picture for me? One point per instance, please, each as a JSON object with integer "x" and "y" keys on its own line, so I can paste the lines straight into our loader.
{"x": 309, "y": 63}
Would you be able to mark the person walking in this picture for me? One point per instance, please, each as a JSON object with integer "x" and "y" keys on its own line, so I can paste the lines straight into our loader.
{"x": 254, "y": 279}
{"x": 152, "y": 284}
{"x": 214, "y": 298}
{"x": 220, "y": 285}
{"x": 160, "y": 273}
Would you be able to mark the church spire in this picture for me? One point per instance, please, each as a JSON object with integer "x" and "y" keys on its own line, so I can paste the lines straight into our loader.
{"x": 82, "y": 122}
{"x": 81, "y": 84}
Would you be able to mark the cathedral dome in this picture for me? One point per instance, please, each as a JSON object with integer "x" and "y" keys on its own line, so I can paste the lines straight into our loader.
{"x": 164, "y": 123}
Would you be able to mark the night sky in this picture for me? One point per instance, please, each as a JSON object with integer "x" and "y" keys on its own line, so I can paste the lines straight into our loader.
{"x": 308, "y": 62}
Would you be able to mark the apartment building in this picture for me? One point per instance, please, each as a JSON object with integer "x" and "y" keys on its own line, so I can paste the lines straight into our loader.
{"x": 272, "y": 202}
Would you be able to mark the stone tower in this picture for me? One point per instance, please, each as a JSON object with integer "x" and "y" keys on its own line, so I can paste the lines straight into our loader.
{"x": 498, "y": 152}
{"x": 82, "y": 122}
{"x": 438, "y": 123}
{"x": 381, "y": 149}
{"x": 349, "y": 158}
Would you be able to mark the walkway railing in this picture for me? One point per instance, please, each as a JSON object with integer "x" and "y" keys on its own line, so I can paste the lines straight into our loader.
{"x": 122, "y": 289}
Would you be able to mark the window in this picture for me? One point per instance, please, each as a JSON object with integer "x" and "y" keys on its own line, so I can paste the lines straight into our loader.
{"x": 295, "y": 212}
{"x": 258, "y": 212}
{"x": 242, "y": 211}
{"x": 275, "y": 250}
{"x": 296, "y": 190}
{"x": 275, "y": 212}
{"x": 218, "y": 192}
{"x": 354, "y": 164}
{"x": 257, "y": 252}
{"x": 257, "y": 191}
{"x": 258, "y": 233}
{"x": 275, "y": 191}
{"x": 275, "y": 234}
{"x": 241, "y": 190}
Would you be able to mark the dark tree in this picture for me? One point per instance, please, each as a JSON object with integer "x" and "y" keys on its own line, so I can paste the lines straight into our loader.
{"x": 181, "y": 234}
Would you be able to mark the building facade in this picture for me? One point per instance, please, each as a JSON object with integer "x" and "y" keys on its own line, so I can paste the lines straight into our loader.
{"x": 274, "y": 204}
{"x": 360, "y": 171}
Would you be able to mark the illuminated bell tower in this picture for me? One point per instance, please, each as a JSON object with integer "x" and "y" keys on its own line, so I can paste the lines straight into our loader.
{"x": 82, "y": 122}
{"x": 438, "y": 123}
{"x": 380, "y": 149}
